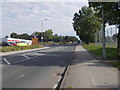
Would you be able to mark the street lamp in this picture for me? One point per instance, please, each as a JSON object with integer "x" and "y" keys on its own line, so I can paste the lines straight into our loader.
{"x": 42, "y": 29}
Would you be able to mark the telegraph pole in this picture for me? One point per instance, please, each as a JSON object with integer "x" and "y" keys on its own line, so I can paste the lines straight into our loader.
{"x": 42, "y": 30}
{"x": 103, "y": 34}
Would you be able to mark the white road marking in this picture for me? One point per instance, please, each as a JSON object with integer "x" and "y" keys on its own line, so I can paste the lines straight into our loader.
{"x": 6, "y": 61}
{"x": 26, "y": 56}
{"x": 20, "y": 76}
{"x": 37, "y": 55}
{"x": 24, "y": 60}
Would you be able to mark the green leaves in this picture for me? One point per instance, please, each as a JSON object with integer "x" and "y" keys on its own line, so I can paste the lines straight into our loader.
{"x": 112, "y": 12}
{"x": 86, "y": 23}
{"x": 48, "y": 35}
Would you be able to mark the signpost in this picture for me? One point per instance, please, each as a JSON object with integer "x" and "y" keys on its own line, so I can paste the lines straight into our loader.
{"x": 34, "y": 39}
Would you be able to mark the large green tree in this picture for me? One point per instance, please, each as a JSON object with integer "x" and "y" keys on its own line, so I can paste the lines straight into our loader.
{"x": 112, "y": 15}
{"x": 20, "y": 36}
{"x": 56, "y": 38}
{"x": 48, "y": 35}
{"x": 13, "y": 35}
{"x": 86, "y": 23}
{"x": 24, "y": 36}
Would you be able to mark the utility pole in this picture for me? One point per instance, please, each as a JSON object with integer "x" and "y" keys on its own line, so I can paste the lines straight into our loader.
{"x": 103, "y": 34}
{"x": 42, "y": 30}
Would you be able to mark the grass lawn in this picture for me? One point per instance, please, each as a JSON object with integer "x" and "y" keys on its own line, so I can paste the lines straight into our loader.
{"x": 111, "y": 53}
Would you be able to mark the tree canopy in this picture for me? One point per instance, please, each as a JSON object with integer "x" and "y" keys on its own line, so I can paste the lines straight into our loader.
{"x": 48, "y": 35}
{"x": 20, "y": 36}
{"x": 111, "y": 9}
{"x": 86, "y": 23}
{"x": 13, "y": 35}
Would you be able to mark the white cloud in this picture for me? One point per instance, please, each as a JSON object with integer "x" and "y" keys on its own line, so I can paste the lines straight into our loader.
{"x": 44, "y": 0}
{"x": 25, "y": 17}
{"x": 0, "y": 19}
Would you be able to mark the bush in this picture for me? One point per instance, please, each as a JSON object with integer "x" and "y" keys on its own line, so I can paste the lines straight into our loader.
{"x": 16, "y": 48}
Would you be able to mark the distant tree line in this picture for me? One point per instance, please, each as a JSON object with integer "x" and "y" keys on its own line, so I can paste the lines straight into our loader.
{"x": 47, "y": 36}
{"x": 20, "y": 36}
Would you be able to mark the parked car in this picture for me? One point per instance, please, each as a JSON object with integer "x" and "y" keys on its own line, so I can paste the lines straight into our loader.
{"x": 5, "y": 44}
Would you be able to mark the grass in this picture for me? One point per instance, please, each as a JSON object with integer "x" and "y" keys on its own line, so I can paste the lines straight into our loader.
{"x": 69, "y": 87}
{"x": 117, "y": 64}
{"x": 108, "y": 44}
{"x": 16, "y": 48}
{"x": 111, "y": 53}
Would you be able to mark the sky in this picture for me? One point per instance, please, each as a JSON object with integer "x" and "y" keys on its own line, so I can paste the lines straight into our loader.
{"x": 26, "y": 17}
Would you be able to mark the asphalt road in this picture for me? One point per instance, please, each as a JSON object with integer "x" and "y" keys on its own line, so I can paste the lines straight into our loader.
{"x": 37, "y": 69}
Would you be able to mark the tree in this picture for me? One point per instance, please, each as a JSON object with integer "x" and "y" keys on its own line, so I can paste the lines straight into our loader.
{"x": 24, "y": 36}
{"x": 73, "y": 39}
{"x": 86, "y": 23}
{"x": 112, "y": 15}
{"x": 13, "y": 35}
{"x": 114, "y": 37}
{"x": 48, "y": 35}
{"x": 7, "y": 36}
{"x": 67, "y": 38}
{"x": 56, "y": 38}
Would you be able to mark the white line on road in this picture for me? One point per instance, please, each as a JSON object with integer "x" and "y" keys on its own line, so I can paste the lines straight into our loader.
{"x": 6, "y": 61}
{"x": 25, "y": 59}
{"x": 26, "y": 56}
{"x": 20, "y": 76}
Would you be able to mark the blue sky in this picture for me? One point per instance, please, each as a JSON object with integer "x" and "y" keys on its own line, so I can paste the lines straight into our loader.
{"x": 26, "y": 17}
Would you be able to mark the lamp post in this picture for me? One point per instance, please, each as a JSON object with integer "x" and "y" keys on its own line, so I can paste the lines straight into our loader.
{"x": 42, "y": 29}
{"x": 103, "y": 34}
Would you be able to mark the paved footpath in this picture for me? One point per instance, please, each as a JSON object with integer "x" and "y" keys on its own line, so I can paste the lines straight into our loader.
{"x": 87, "y": 72}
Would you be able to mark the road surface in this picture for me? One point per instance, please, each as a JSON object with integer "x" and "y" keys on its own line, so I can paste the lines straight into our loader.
{"x": 35, "y": 69}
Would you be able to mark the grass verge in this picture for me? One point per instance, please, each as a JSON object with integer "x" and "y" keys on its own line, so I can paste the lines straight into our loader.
{"x": 16, "y": 48}
{"x": 111, "y": 53}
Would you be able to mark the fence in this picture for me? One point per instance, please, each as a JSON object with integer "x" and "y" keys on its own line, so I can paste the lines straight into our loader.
{"x": 110, "y": 36}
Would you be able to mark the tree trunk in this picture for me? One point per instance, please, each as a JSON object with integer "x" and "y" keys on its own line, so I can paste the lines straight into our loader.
{"x": 118, "y": 44}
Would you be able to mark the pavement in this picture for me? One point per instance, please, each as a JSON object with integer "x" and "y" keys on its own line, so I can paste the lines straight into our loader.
{"x": 41, "y": 68}
{"x": 87, "y": 72}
